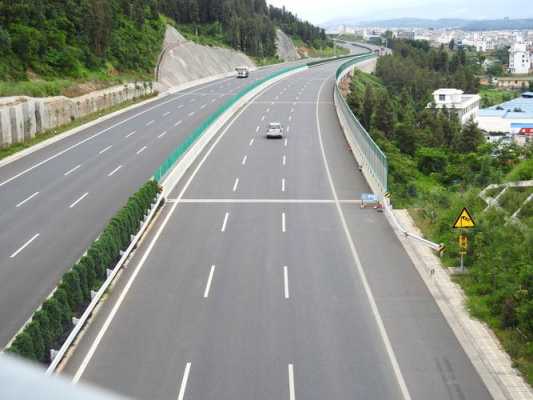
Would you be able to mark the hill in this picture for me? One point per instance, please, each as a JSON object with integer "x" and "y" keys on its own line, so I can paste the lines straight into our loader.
{"x": 102, "y": 39}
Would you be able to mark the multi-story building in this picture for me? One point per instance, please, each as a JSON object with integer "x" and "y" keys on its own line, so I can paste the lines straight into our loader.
{"x": 465, "y": 105}
{"x": 519, "y": 59}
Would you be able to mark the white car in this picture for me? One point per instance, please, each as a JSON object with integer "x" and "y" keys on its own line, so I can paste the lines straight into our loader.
{"x": 242, "y": 72}
{"x": 275, "y": 130}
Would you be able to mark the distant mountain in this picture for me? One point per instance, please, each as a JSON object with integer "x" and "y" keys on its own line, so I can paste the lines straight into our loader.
{"x": 457, "y": 23}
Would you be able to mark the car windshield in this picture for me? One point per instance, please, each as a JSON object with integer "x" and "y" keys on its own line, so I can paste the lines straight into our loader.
{"x": 275, "y": 126}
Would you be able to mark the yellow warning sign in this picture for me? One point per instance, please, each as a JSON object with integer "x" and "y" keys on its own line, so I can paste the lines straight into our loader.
{"x": 464, "y": 221}
{"x": 463, "y": 242}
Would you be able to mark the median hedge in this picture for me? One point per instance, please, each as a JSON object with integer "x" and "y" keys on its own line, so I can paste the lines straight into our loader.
{"x": 52, "y": 323}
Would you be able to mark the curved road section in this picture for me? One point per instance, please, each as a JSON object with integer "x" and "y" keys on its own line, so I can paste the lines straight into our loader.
{"x": 56, "y": 201}
{"x": 264, "y": 279}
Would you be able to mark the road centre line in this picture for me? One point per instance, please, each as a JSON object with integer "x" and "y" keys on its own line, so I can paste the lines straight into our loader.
{"x": 183, "y": 386}
{"x": 209, "y": 279}
{"x": 225, "y": 223}
{"x": 291, "y": 383}
{"x": 107, "y": 323}
{"x": 16, "y": 253}
{"x": 115, "y": 171}
{"x": 70, "y": 171}
{"x": 161, "y": 135}
{"x": 373, "y": 306}
{"x": 104, "y": 150}
{"x": 244, "y": 160}
{"x": 80, "y": 199}
{"x": 27, "y": 199}
{"x": 236, "y": 184}
{"x": 283, "y": 223}
{"x": 141, "y": 150}
{"x": 130, "y": 134}
{"x": 286, "y": 282}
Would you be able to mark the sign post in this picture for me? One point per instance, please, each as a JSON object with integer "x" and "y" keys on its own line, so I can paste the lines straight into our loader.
{"x": 463, "y": 221}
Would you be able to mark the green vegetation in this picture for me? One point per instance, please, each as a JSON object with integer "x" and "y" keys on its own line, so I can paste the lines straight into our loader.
{"x": 319, "y": 52}
{"x": 52, "y": 323}
{"x": 492, "y": 96}
{"x": 436, "y": 167}
{"x": 15, "y": 148}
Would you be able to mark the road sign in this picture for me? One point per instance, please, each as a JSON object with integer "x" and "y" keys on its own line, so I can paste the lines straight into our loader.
{"x": 463, "y": 242}
{"x": 464, "y": 220}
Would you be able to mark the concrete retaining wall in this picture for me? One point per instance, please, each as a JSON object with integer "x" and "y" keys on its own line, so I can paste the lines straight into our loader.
{"x": 22, "y": 117}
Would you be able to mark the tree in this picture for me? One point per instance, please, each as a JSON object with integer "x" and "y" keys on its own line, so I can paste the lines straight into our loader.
{"x": 384, "y": 118}
{"x": 368, "y": 107}
{"x": 23, "y": 346}
{"x": 35, "y": 332}
{"x": 406, "y": 139}
{"x": 451, "y": 45}
{"x": 470, "y": 138}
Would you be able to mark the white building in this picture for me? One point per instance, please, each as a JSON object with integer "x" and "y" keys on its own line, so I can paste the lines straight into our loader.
{"x": 466, "y": 105}
{"x": 519, "y": 58}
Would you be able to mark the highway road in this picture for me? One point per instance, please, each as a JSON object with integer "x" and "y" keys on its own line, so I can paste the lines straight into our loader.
{"x": 57, "y": 200}
{"x": 264, "y": 279}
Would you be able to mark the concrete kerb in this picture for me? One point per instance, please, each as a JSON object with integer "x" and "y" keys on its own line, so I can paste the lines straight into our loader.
{"x": 107, "y": 117}
{"x": 190, "y": 156}
{"x": 480, "y": 344}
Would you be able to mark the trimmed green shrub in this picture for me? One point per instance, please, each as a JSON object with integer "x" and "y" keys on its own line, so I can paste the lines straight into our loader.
{"x": 23, "y": 346}
{"x": 81, "y": 270}
{"x": 41, "y": 317}
{"x": 35, "y": 332}
{"x": 73, "y": 289}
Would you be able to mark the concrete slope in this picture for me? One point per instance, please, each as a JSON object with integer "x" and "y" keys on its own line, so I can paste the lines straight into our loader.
{"x": 285, "y": 47}
{"x": 57, "y": 200}
{"x": 183, "y": 61}
{"x": 257, "y": 283}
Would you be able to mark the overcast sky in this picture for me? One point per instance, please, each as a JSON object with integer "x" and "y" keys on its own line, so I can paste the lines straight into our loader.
{"x": 321, "y": 11}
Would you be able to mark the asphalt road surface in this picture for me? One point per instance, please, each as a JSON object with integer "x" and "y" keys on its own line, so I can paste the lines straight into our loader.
{"x": 264, "y": 279}
{"x": 56, "y": 201}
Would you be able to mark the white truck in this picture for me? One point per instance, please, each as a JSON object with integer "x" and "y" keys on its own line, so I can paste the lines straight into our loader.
{"x": 242, "y": 72}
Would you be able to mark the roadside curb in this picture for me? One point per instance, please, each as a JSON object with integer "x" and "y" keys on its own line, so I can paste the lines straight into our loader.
{"x": 480, "y": 344}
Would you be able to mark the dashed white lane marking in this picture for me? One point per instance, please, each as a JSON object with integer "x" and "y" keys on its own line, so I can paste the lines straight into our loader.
{"x": 115, "y": 171}
{"x": 268, "y": 110}
{"x": 180, "y": 106}
{"x": 16, "y": 253}
{"x": 150, "y": 123}
{"x": 27, "y": 199}
{"x": 286, "y": 282}
{"x": 161, "y": 135}
{"x": 213, "y": 100}
{"x": 104, "y": 150}
{"x": 130, "y": 134}
{"x": 203, "y": 106}
{"x": 257, "y": 129}
{"x": 192, "y": 114}
{"x": 286, "y": 142}
{"x": 252, "y": 141}
{"x": 284, "y": 160}
{"x": 291, "y": 383}
{"x": 236, "y": 184}
{"x": 141, "y": 150}
{"x": 262, "y": 118}
{"x": 290, "y": 118}
{"x": 297, "y": 98}
{"x": 244, "y": 159}
{"x": 192, "y": 100}
{"x": 70, "y": 171}
{"x": 283, "y": 185}
{"x": 166, "y": 114}
{"x": 183, "y": 386}
{"x": 288, "y": 129}
{"x": 209, "y": 280}
{"x": 178, "y": 123}
{"x": 80, "y": 199}
{"x": 292, "y": 110}
{"x": 225, "y": 223}
{"x": 283, "y": 223}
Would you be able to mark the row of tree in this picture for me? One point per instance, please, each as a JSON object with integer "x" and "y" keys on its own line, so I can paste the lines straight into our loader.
{"x": 52, "y": 323}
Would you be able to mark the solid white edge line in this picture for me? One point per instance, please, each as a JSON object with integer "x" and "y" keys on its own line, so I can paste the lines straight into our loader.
{"x": 236, "y": 184}
{"x": 70, "y": 171}
{"x": 16, "y": 253}
{"x": 104, "y": 150}
{"x": 286, "y": 282}
{"x": 80, "y": 199}
{"x": 184, "y": 380}
{"x": 92, "y": 350}
{"x": 375, "y": 311}
{"x": 291, "y": 383}
{"x": 209, "y": 280}
{"x": 115, "y": 171}
{"x": 27, "y": 199}
{"x": 283, "y": 223}
{"x": 226, "y": 216}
